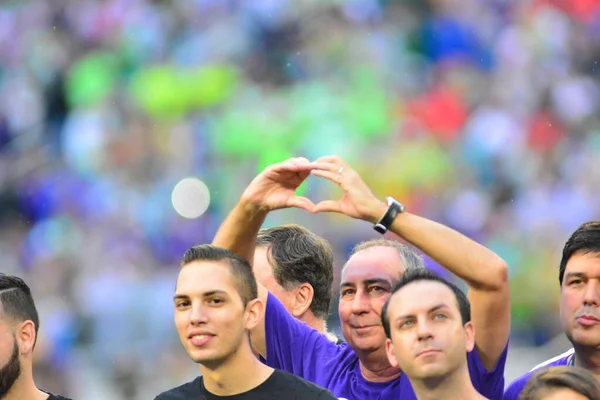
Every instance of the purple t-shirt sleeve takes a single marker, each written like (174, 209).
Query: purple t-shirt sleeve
(489, 383)
(516, 387)
(295, 347)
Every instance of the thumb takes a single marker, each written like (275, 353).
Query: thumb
(301, 202)
(327, 206)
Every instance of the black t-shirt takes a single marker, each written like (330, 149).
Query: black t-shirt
(280, 385)
(56, 397)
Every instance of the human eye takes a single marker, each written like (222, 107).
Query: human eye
(406, 324)
(377, 290)
(345, 293)
(182, 303)
(215, 301)
(440, 316)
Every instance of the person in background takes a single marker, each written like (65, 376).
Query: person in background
(579, 278)
(561, 383)
(296, 266)
(19, 325)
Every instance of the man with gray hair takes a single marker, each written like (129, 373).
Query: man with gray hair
(360, 368)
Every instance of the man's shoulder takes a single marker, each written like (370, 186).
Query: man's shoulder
(57, 397)
(517, 386)
(561, 359)
(299, 386)
(191, 388)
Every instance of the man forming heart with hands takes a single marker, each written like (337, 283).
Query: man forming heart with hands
(360, 368)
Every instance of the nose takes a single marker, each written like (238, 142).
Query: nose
(424, 331)
(197, 316)
(360, 303)
(592, 293)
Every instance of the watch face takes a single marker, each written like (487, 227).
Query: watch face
(380, 228)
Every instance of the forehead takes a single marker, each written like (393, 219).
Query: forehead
(373, 263)
(588, 263)
(199, 277)
(262, 264)
(562, 394)
(420, 296)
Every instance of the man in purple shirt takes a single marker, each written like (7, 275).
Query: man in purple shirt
(428, 324)
(359, 369)
(579, 277)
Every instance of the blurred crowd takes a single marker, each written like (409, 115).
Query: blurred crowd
(483, 115)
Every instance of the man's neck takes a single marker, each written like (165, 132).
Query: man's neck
(375, 367)
(319, 325)
(241, 373)
(588, 358)
(456, 386)
(24, 388)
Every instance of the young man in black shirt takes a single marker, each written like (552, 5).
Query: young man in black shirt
(19, 323)
(216, 306)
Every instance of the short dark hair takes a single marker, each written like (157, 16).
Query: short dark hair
(424, 274)
(299, 256)
(240, 269)
(561, 377)
(586, 239)
(16, 301)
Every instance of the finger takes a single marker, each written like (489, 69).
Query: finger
(331, 159)
(332, 176)
(301, 202)
(290, 165)
(327, 206)
(300, 160)
(327, 166)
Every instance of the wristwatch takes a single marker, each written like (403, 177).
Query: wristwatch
(394, 208)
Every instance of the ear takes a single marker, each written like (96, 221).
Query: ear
(470, 336)
(253, 314)
(389, 349)
(302, 299)
(25, 335)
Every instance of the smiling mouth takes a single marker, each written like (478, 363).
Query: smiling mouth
(200, 340)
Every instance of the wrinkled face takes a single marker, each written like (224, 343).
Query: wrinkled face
(263, 271)
(428, 338)
(210, 317)
(366, 283)
(561, 394)
(580, 300)
(10, 365)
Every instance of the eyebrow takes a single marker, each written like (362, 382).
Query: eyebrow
(432, 309)
(576, 275)
(368, 282)
(205, 294)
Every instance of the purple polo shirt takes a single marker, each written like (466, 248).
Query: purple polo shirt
(517, 386)
(295, 347)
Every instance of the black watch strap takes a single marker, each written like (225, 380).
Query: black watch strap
(394, 208)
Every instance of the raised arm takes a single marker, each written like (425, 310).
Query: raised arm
(483, 270)
(272, 189)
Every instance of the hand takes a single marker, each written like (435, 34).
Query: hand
(358, 201)
(276, 186)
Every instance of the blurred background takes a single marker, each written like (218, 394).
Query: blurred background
(482, 115)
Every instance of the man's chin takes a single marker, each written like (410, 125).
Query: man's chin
(367, 345)
(585, 339)
(430, 373)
